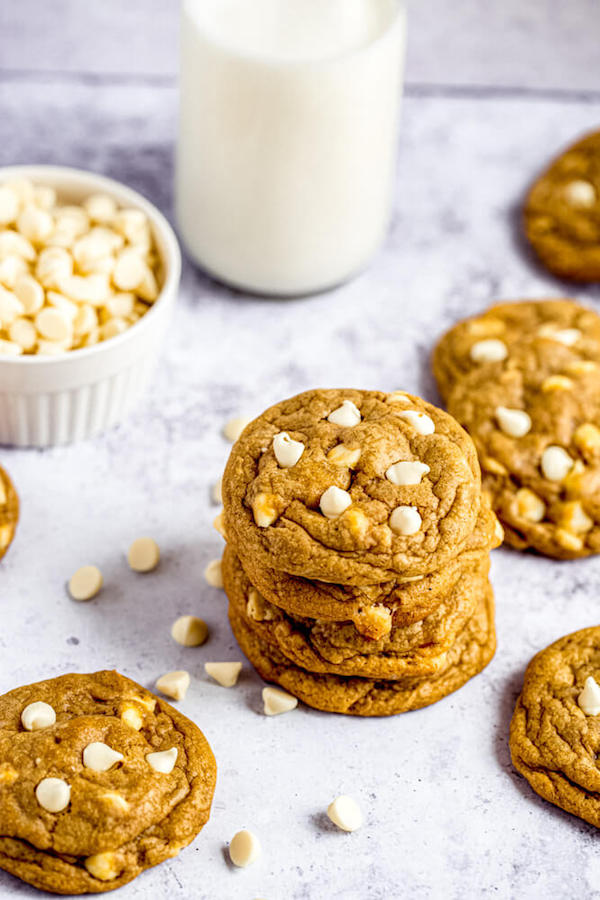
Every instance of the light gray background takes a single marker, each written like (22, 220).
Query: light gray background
(493, 89)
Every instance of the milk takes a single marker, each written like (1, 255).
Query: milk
(288, 120)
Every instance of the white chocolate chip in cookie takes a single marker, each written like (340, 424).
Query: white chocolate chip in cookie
(103, 866)
(587, 438)
(244, 848)
(189, 631)
(85, 583)
(529, 505)
(489, 350)
(580, 193)
(53, 794)
(216, 493)
(143, 555)
(174, 684)
(213, 573)
(347, 415)
(163, 761)
(402, 473)
(421, 422)
(566, 336)
(38, 715)
(556, 463)
(287, 451)
(224, 673)
(132, 717)
(334, 501)
(398, 397)
(219, 524)
(277, 701)
(233, 429)
(345, 813)
(341, 455)
(265, 509)
(581, 367)
(589, 698)
(116, 801)
(405, 520)
(513, 422)
(572, 516)
(556, 383)
(486, 326)
(8, 775)
(99, 757)
(258, 608)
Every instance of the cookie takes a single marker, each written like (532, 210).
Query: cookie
(524, 380)
(471, 652)
(351, 487)
(9, 511)
(562, 212)
(408, 600)
(88, 796)
(553, 742)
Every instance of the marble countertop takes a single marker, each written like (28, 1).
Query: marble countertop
(445, 814)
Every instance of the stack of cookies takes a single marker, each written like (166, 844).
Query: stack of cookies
(357, 553)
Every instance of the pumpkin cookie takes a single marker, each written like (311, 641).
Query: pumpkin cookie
(524, 380)
(555, 730)
(352, 487)
(470, 653)
(9, 511)
(562, 213)
(99, 780)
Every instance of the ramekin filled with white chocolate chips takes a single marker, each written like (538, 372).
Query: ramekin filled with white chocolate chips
(89, 271)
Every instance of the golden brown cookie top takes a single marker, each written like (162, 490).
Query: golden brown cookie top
(352, 486)
(9, 511)
(562, 212)
(88, 762)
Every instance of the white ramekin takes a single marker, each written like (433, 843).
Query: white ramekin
(45, 401)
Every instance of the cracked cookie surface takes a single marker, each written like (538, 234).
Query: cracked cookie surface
(352, 487)
(9, 511)
(524, 380)
(121, 816)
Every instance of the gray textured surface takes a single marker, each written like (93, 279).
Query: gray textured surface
(446, 816)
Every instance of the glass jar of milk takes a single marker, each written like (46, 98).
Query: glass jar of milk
(288, 122)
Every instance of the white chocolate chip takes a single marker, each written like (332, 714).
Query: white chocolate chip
(580, 193)
(224, 673)
(23, 333)
(189, 631)
(53, 794)
(14, 244)
(35, 224)
(244, 848)
(213, 573)
(143, 555)
(10, 307)
(421, 422)
(233, 429)
(405, 520)
(30, 293)
(9, 348)
(38, 715)
(398, 397)
(132, 717)
(513, 422)
(488, 351)
(219, 524)
(99, 757)
(345, 813)
(54, 265)
(265, 509)
(287, 451)
(556, 463)
(589, 698)
(100, 208)
(566, 336)
(85, 583)
(103, 866)
(347, 415)
(174, 684)
(529, 505)
(402, 473)
(277, 701)
(9, 205)
(163, 761)
(334, 501)
(11, 269)
(341, 455)
(129, 270)
(54, 324)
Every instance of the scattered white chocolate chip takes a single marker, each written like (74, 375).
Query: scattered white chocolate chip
(287, 451)
(264, 509)
(334, 501)
(347, 415)
(398, 397)
(556, 463)
(402, 473)
(566, 336)
(53, 794)
(589, 698)
(277, 701)
(421, 422)
(233, 429)
(213, 573)
(489, 350)
(573, 517)
(244, 848)
(38, 715)
(163, 761)
(99, 757)
(174, 684)
(85, 583)
(580, 193)
(103, 866)
(132, 717)
(143, 555)
(405, 520)
(216, 493)
(341, 455)
(189, 631)
(345, 813)
(224, 673)
(529, 505)
(513, 422)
